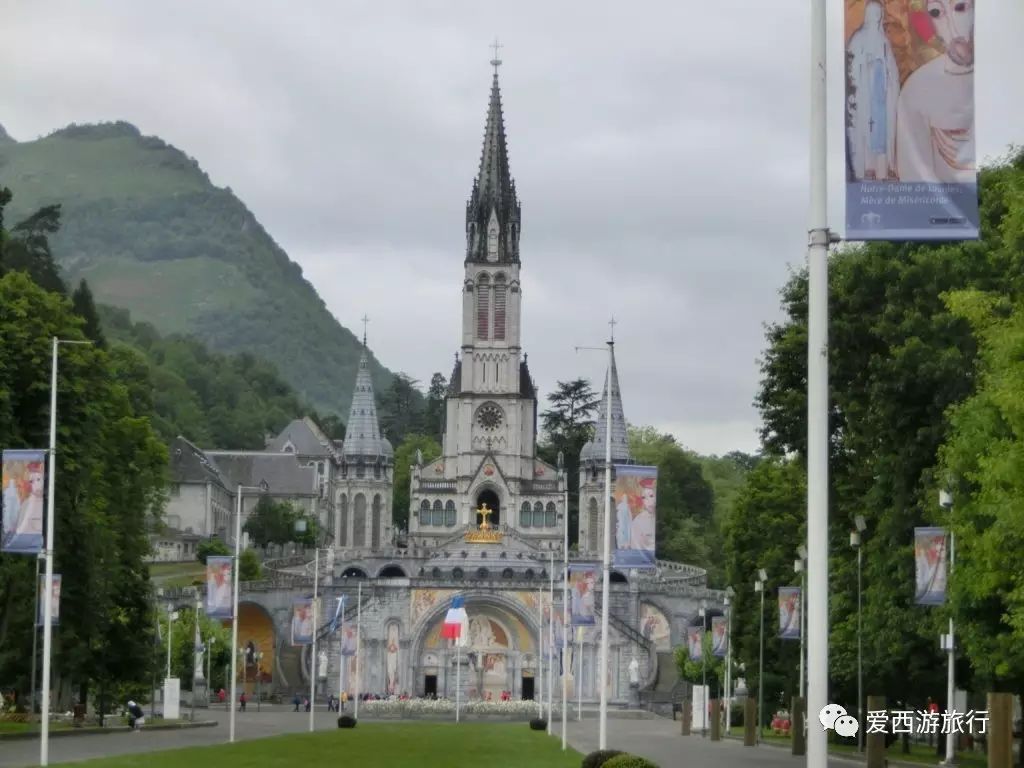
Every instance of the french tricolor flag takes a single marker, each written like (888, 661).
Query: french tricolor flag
(456, 622)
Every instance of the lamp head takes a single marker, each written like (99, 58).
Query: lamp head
(945, 499)
(762, 574)
(798, 565)
(854, 539)
(802, 551)
(861, 523)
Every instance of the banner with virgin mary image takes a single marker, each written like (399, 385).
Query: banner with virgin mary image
(719, 636)
(911, 170)
(635, 496)
(930, 566)
(23, 490)
(789, 613)
(695, 642)
(219, 587)
(582, 588)
(302, 621)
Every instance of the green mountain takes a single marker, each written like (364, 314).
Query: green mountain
(144, 225)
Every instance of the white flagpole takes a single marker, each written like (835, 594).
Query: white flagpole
(359, 642)
(606, 569)
(458, 678)
(341, 649)
(540, 652)
(579, 676)
(565, 612)
(817, 390)
(551, 639)
(234, 617)
(312, 661)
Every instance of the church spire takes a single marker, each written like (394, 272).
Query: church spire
(594, 450)
(362, 430)
(492, 213)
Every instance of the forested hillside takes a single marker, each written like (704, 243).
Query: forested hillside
(144, 225)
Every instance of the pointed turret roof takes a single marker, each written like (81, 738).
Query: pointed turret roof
(494, 190)
(362, 431)
(595, 449)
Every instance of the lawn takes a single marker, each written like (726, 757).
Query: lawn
(176, 574)
(919, 753)
(382, 745)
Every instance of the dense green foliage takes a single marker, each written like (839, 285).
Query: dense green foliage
(213, 635)
(600, 757)
(215, 400)
(630, 761)
(110, 480)
(249, 567)
(567, 425)
(405, 457)
(274, 522)
(209, 547)
(902, 355)
(155, 237)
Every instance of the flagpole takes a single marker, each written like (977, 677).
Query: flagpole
(458, 678)
(551, 639)
(359, 641)
(312, 661)
(540, 652)
(341, 647)
(606, 569)
(579, 675)
(565, 609)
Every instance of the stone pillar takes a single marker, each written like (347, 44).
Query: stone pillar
(796, 727)
(875, 741)
(749, 722)
(716, 720)
(1000, 730)
(684, 727)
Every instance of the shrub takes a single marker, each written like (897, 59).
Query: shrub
(538, 724)
(211, 547)
(630, 761)
(599, 758)
(346, 721)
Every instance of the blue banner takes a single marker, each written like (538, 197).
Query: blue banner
(635, 496)
(23, 492)
(911, 171)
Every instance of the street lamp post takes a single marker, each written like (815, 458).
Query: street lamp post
(703, 668)
(209, 664)
(259, 680)
(799, 565)
(946, 502)
(171, 616)
(234, 604)
(729, 592)
(50, 550)
(759, 585)
(855, 542)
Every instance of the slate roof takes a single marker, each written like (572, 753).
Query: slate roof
(594, 450)
(190, 464)
(362, 430)
(281, 472)
(305, 437)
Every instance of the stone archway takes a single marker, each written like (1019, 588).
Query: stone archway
(258, 636)
(489, 497)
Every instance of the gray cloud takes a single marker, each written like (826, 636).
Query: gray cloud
(660, 152)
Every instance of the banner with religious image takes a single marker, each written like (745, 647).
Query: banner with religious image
(911, 168)
(634, 495)
(930, 566)
(55, 611)
(302, 621)
(23, 494)
(582, 589)
(694, 641)
(218, 587)
(789, 613)
(719, 636)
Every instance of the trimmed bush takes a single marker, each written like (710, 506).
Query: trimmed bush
(599, 758)
(346, 721)
(630, 761)
(538, 724)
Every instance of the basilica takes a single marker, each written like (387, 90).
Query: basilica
(486, 521)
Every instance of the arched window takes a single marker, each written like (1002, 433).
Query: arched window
(550, 516)
(483, 297)
(508, 573)
(436, 572)
(538, 515)
(457, 573)
(375, 522)
(499, 307)
(376, 471)
(343, 521)
(524, 515)
(528, 574)
(424, 512)
(483, 573)
(592, 524)
(359, 522)
(437, 518)
(449, 513)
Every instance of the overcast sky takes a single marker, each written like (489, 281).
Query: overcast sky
(659, 150)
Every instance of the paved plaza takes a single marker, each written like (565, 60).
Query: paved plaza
(657, 739)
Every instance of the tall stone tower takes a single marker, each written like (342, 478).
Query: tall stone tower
(364, 484)
(489, 444)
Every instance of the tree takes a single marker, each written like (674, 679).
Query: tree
(405, 457)
(211, 547)
(26, 247)
(981, 461)
(274, 522)
(434, 411)
(401, 408)
(249, 567)
(567, 426)
(85, 307)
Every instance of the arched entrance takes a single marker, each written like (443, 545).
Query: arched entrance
(490, 498)
(256, 635)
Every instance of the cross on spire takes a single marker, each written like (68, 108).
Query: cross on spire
(496, 62)
(612, 323)
(365, 321)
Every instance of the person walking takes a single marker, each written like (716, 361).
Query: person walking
(241, 702)
(136, 717)
(344, 700)
(296, 701)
